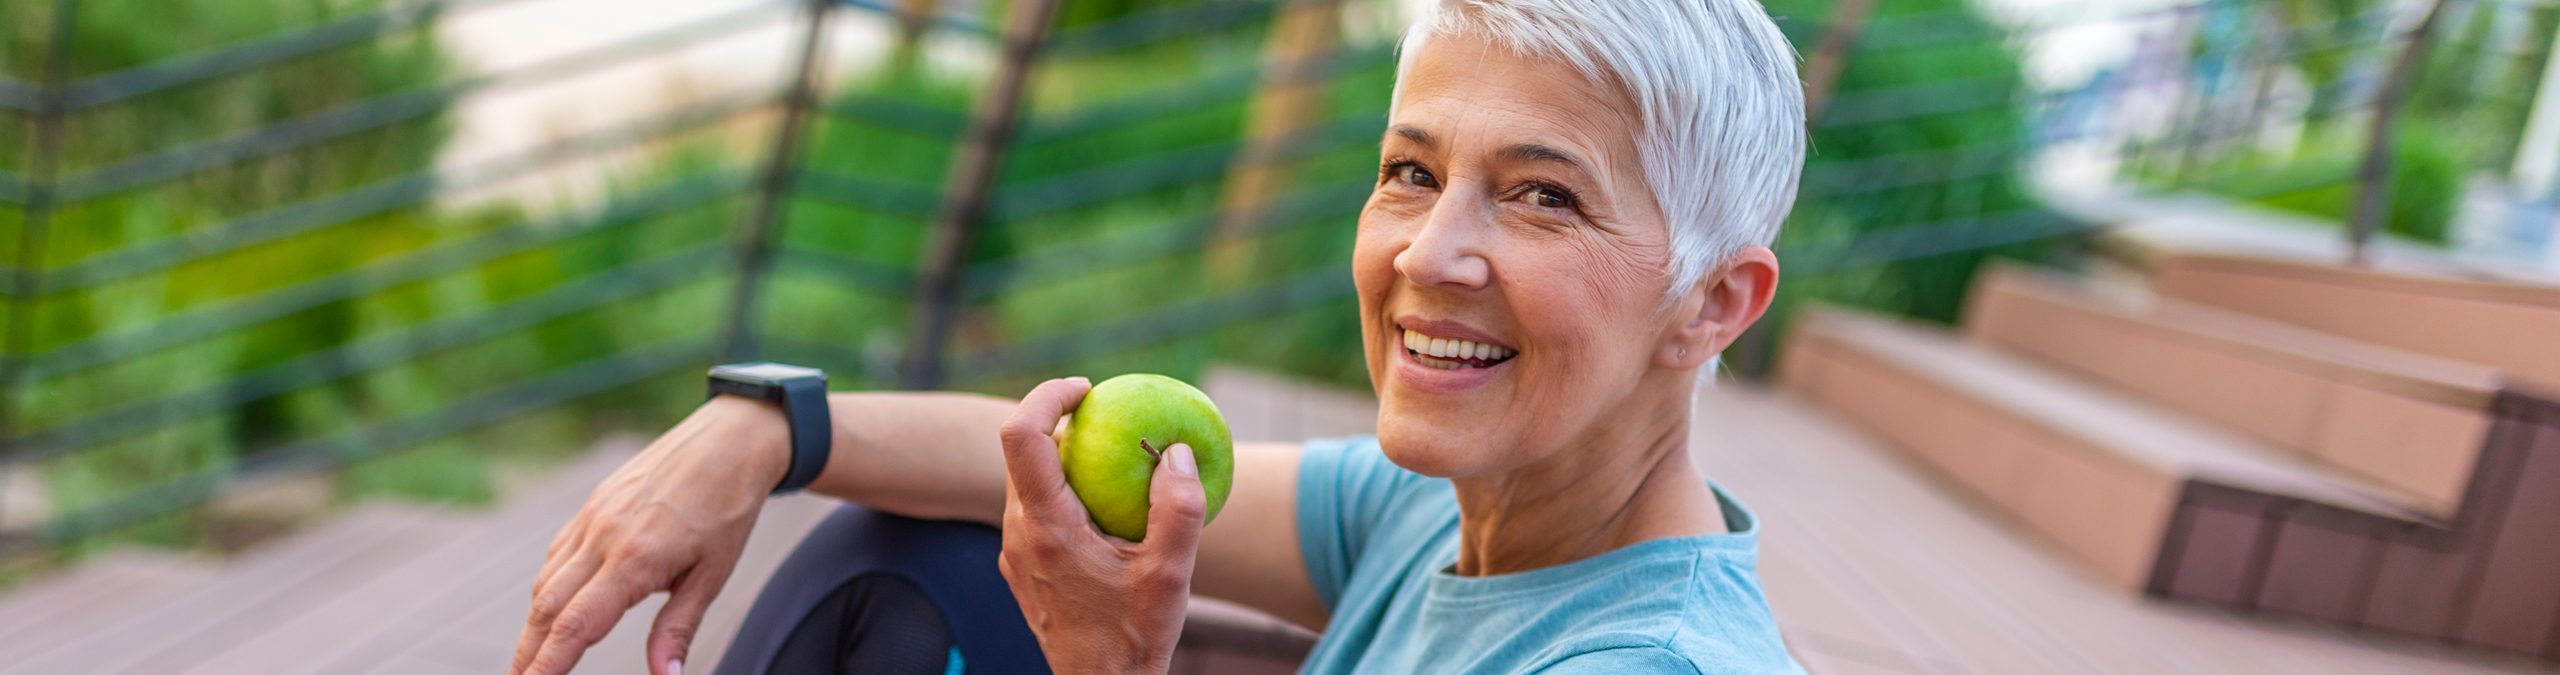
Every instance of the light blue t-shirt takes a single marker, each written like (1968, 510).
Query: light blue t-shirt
(1379, 539)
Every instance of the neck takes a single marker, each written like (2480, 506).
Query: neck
(1629, 482)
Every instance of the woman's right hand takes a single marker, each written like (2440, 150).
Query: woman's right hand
(675, 518)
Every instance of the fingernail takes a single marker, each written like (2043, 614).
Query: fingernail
(1182, 463)
(1079, 379)
(674, 667)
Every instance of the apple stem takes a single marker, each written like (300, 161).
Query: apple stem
(1152, 452)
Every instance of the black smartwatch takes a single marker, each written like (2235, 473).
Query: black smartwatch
(802, 393)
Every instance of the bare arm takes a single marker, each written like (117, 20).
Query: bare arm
(936, 455)
(676, 517)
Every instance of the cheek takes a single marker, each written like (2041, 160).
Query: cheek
(1592, 301)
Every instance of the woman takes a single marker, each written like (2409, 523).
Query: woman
(1571, 219)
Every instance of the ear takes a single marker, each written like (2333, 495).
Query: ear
(1719, 307)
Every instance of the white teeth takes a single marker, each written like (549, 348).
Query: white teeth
(1452, 349)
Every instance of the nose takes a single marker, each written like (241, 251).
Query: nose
(1447, 252)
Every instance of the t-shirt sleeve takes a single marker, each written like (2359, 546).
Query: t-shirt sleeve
(1623, 661)
(1344, 487)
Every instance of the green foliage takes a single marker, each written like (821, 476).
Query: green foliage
(2427, 171)
(2464, 113)
(148, 307)
(1832, 210)
(1059, 192)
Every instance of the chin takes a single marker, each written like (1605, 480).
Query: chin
(1431, 447)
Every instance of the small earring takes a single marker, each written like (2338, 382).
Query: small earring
(1683, 354)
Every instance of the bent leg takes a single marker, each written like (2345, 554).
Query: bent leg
(873, 592)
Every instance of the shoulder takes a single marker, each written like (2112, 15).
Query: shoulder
(1717, 621)
(1350, 496)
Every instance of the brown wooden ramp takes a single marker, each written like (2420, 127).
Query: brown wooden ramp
(1873, 568)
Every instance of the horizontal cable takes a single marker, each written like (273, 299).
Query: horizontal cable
(892, 113)
(959, 21)
(869, 275)
(375, 198)
(1918, 100)
(1929, 239)
(1212, 89)
(871, 193)
(1172, 168)
(221, 61)
(1155, 325)
(1154, 25)
(1908, 169)
(378, 438)
(268, 305)
(374, 352)
(20, 94)
(988, 279)
(381, 111)
(840, 362)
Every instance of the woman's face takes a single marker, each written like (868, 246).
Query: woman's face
(1511, 218)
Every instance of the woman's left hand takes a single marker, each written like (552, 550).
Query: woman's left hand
(1098, 603)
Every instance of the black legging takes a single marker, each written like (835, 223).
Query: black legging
(871, 593)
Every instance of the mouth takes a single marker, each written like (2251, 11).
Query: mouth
(1453, 353)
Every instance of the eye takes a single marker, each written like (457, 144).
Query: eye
(1550, 197)
(1415, 175)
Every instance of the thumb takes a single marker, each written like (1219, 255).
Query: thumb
(1176, 505)
(671, 637)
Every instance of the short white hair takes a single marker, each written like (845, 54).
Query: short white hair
(1715, 85)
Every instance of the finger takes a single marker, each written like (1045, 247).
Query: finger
(550, 597)
(587, 619)
(671, 637)
(1030, 455)
(563, 548)
(1176, 506)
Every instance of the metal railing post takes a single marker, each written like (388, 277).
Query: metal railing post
(966, 190)
(773, 187)
(2373, 181)
(44, 162)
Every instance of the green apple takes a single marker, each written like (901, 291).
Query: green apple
(1122, 429)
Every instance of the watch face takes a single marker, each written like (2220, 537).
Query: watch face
(765, 372)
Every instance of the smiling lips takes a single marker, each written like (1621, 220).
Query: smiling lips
(1449, 354)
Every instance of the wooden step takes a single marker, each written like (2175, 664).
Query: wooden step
(2441, 308)
(2096, 472)
(1873, 567)
(2408, 421)
(264, 586)
(97, 587)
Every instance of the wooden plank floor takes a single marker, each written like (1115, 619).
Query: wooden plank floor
(1872, 567)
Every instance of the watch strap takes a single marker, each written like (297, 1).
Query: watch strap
(804, 409)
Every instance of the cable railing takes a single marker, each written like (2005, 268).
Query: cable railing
(1209, 239)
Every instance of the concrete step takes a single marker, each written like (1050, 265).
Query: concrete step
(97, 587)
(2096, 472)
(2407, 421)
(261, 588)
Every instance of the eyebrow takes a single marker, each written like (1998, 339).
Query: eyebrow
(1532, 152)
(1416, 135)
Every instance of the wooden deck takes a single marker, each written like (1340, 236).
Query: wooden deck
(1871, 567)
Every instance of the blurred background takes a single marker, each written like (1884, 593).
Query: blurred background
(270, 264)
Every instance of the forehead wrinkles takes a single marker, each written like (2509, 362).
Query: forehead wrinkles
(1476, 96)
